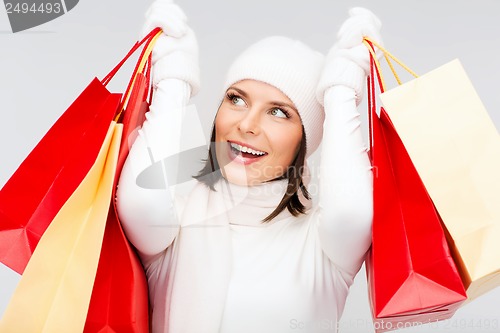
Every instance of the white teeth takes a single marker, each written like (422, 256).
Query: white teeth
(244, 149)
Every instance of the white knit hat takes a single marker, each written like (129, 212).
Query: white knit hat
(292, 67)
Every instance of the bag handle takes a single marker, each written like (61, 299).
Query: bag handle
(143, 63)
(371, 99)
(143, 66)
(387, 56)
(148, 78)
(375, 71)
(134, 48)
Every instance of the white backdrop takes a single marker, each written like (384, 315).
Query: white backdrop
(44, 69)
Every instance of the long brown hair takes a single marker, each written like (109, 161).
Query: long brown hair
(210, 173)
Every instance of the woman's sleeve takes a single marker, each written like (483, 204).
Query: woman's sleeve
(146, 206)
(346, 196)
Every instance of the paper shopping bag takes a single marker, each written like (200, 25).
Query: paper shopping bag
(456, 150)
(53, 294)
(32, 197)
(130, 308)
(412, 277)
(119, 301)
(44, 181)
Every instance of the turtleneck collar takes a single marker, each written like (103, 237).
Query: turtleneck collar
(249, 205)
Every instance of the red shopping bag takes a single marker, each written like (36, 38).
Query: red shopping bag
(119, 297)
(44, 181)
(119, 301)
(412, 277)
(55, 167)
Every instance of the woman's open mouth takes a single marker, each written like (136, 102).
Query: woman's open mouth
(244, 154)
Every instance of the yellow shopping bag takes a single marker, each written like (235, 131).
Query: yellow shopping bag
(54, 292)
(455, 148)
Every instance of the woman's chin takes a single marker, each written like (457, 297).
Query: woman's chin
(238, 176)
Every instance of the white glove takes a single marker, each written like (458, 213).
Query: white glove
(348, 61)
(175, 54)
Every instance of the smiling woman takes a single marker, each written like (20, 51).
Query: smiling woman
(258, 137)
(269, 109)
(247, 250)
(255, 140)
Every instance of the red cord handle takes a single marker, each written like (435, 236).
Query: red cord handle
(134, 48)
(372, 107)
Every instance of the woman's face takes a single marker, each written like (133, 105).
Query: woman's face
(258, 133)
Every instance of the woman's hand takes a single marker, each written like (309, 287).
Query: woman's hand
(361, 23)
(175, 55)
(348, 61)
(168, 16)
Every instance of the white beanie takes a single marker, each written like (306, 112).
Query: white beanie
(292, 67)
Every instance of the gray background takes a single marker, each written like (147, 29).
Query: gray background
(43, 70)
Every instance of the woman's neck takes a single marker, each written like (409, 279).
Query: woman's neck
(249, 205)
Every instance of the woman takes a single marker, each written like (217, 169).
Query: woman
(248, 250)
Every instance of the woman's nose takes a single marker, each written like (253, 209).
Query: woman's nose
(250, 122)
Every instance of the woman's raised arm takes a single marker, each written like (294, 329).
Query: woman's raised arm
(346, 195)
(146, 208)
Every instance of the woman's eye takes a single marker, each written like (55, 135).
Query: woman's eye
(279, 113)
(237, 100)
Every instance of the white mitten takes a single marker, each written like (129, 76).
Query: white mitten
(175, 54)
(348, 61)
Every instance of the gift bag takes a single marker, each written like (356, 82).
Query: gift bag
(412, 277)
(119, 282)
(54, 292)
(44, 181)
(119, 301)
(456, 150)
(35, 193)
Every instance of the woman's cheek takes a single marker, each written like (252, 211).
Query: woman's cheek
(224, 121)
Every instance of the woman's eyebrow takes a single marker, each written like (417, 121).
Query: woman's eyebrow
(282, 104)
(285, 105)
(244, 94)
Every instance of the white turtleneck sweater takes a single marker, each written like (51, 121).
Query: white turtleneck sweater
(212, 266)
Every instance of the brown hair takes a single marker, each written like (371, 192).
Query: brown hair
(210, 173)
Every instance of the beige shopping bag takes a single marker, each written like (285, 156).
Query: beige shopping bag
(54, 292)
(455, 148)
